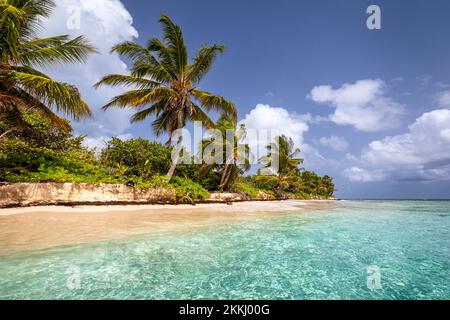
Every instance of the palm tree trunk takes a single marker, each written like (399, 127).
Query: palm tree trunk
(223, 180)
(226, 183)
(177, 150)
(175, 158)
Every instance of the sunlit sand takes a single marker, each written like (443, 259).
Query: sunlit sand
(44, 227)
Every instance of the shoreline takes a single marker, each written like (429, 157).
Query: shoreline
(253, 205)
(39, 228)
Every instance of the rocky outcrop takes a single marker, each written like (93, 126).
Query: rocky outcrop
(70, 194)
(227, 197)
(34, 194)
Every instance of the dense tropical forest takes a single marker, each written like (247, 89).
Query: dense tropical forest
(38, 145)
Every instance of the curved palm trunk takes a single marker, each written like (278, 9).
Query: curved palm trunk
(175, 158)
(177, 150)
(224, 180)
(228, 178)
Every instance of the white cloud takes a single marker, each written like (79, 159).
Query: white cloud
(443, 99)
(362, 104)
(266, 117)
(357, 174)
(335, 143)
(421, 154)
(105, 23)
(100, 142)
(265, 122)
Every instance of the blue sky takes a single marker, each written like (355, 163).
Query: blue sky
(368, 107)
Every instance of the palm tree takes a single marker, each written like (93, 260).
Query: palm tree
(166, 84)
(233, 153)
(283, 158)
(21, 85)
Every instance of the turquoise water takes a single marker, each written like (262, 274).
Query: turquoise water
(314, 255)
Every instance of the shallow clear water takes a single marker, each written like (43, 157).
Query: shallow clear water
(313, 255)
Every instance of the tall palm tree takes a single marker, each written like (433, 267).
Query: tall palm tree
(282, 155)
(21, 85)
(233, 153)
(166, 84)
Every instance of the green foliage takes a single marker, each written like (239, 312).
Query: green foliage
(165, 84)
(251, 191)
(44, 152)
(142, 157)
(22, 85)
(233, 153)
(188, 191)
(303, 185)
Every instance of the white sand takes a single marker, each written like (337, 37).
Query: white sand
(45, 227)
(250, 206)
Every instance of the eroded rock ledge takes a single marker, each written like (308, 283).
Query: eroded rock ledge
(44, 194)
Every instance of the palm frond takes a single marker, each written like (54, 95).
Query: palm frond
(64, 97)
(157, 108)
(115, 80)
(133, 51)
(55, 50)
(203, 62)
(165, 57)
(199, 115)
(139, 98)
(215, 102)
(174, 38)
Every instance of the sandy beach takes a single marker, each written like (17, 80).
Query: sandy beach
(45, 227)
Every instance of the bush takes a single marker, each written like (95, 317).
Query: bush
(246, 189)
(188, 191)
(43, 152)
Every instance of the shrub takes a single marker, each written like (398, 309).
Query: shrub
(188, 191)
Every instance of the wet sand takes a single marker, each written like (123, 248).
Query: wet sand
(45, 227)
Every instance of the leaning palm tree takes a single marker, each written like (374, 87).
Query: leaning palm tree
(166, 84)
(228, 155)
(281, 163)
(21, 51)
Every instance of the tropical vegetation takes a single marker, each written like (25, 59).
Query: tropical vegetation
(22, 85)
(38, 145)
(165, 84)
(225, 156)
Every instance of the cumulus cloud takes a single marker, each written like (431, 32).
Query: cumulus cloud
(105, 23)
(335, 143)
(362, 104)
(443, 99)
(265, 122)
(279, 120)
(357, 174)
(421, 154)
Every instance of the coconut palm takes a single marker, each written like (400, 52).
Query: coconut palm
(165, 84)
(233, 155)
(21, 85)
(283, 158)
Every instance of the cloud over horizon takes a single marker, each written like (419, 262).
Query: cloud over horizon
(421, 154)
(363, 105)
